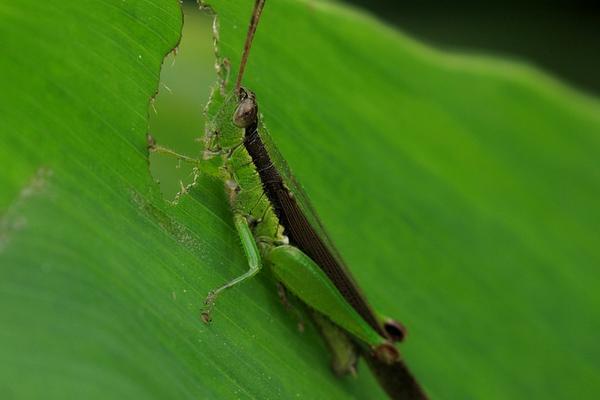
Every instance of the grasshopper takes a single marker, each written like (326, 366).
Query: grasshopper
(278, 227)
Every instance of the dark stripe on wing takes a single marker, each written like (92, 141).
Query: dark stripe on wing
(396, 379)
(300, 232)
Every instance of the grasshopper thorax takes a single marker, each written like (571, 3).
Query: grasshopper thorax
(247, 110)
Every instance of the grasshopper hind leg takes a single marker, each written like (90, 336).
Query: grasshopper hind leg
(254, 265)
(343, 351)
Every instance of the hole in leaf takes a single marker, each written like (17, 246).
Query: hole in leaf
(176, 118)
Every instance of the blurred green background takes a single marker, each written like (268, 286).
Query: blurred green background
(176, 115)
(486, 218)
(561, 37)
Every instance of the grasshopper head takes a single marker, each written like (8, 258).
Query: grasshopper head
(247, 110)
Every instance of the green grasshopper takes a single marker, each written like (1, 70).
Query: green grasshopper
(277, 227)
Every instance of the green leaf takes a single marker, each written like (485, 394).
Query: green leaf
(462, 192)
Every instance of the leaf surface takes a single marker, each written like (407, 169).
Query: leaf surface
(461, 191)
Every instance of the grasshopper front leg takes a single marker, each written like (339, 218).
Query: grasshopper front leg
(254, 264)
(156, 148)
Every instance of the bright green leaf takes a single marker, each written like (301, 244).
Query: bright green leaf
(462, 192)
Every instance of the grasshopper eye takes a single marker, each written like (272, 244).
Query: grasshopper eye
(246, 111)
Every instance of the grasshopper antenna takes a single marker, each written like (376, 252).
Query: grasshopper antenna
(258, 7)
